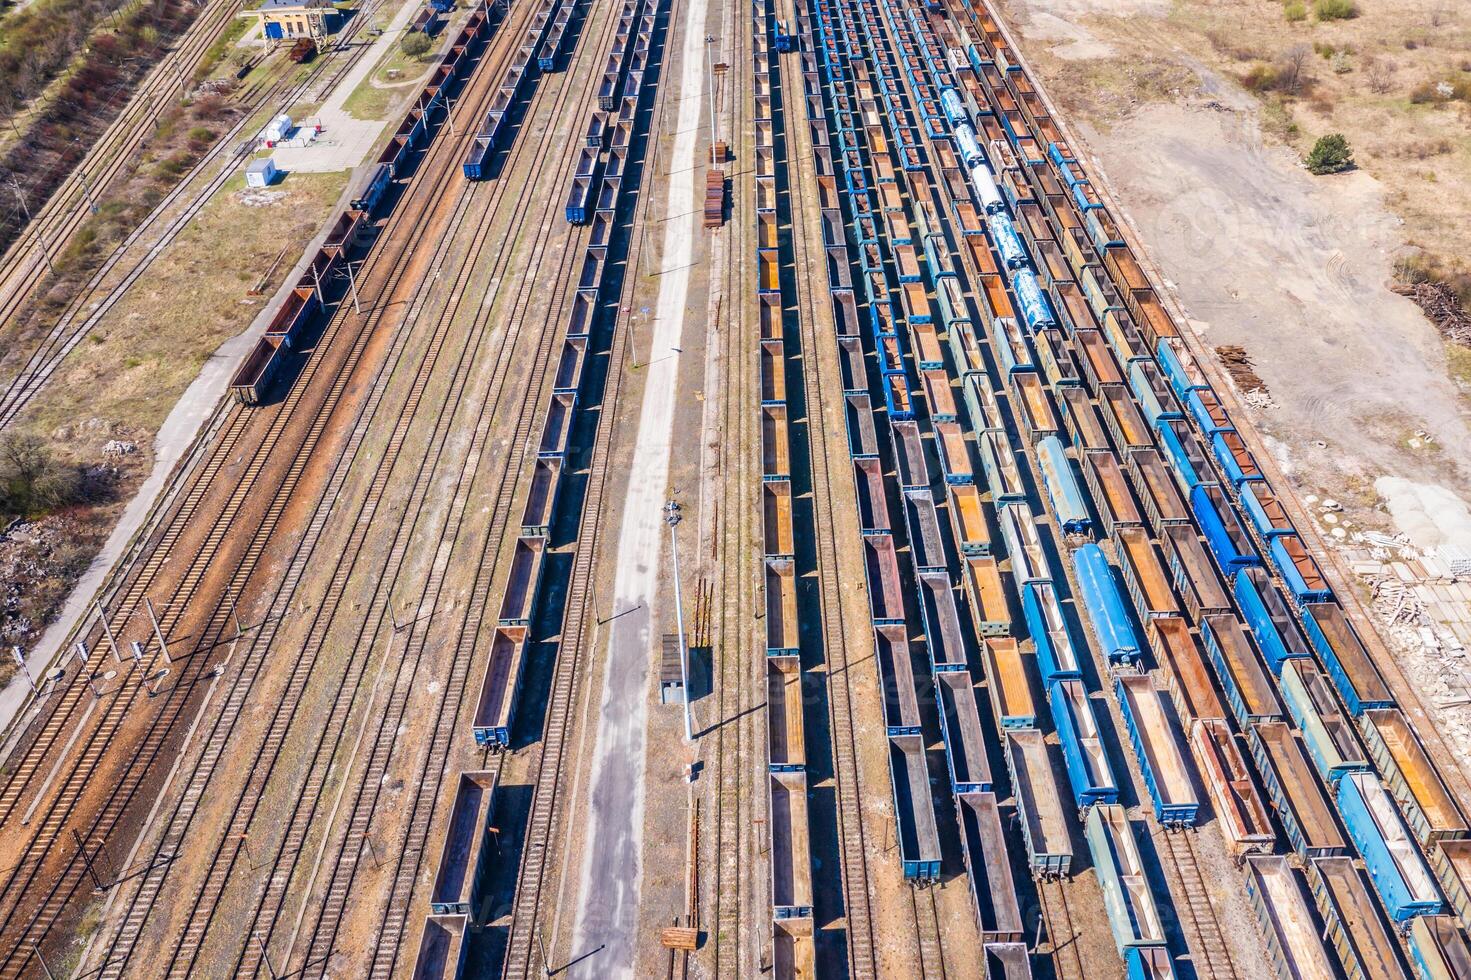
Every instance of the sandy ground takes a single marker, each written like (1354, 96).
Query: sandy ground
(1365, 412)
(608, 908)
(1292, 267)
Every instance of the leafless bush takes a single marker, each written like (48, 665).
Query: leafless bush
(1379, 73)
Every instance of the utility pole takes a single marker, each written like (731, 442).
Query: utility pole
(352, 285)
(671, 517)
(20, 195)
(44, 968)
(158, 633)
(20, 660)
(106, 628)
(710, 66)
(266, 955)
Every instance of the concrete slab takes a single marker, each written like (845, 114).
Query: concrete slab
(344, 140)
(607, 911)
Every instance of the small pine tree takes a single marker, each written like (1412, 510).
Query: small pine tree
(1330, 155)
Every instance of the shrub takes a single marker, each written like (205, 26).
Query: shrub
(1260, 78)
(31, 479)
(1335, 9)
(1330, 155)
(1295, 11)
(415, 45)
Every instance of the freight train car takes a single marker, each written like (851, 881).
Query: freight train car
(1157, 747)
(1398, 870)
(1285, 920)
(1038, 804)
(993, 893)
(1083, 753)
(1098, 587)
(1133, 915)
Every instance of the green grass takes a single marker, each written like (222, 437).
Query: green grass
(370, 102)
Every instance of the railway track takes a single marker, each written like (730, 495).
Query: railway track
(1062, 935)
(843, 727)
(86, 311)
(163, 721)
(507, 480)
(126, 601)
(735, 793)
(523, 954)
(283, 718)
(927, 932)
(1210, 954)
(51, 226)
(853, 845)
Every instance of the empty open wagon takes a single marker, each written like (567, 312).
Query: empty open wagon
(498, 692)
(442, 947)
(794, 956)
(1353, 671)
(1157, 747)
(1240, 813)
(1039, 804)
(885, 597)
(896, 671)
(791, 854)
(787, 750)
(942, 622)
(1411, 778)
(1132, 913)
(1083, 754)
(781, 607)
(776, 453)
(776, 498)
(1306, 815)
(1285, 920)
(1008, 684)
(522, 584)
(541, 499)
(1394, 863)
(1249, 690)
(989, 606)
(1365, 947)
(466, 847)
(1329, 736)
(993, 893)
(1144, 575)
(914, 809)
(1186, 674)
(965, 742)
(257, 371)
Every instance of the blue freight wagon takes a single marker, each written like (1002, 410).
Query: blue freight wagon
(1083, 753)
(1057, 658)
(1222, 528)
(1098, 586)
(1157, 747)
(1182, 450)
(1269, 618)
(1127, 898)
(1179, 369)
(1395, 865)
(1062, 488)
(1266, 514)
(1348, 664)
(1148, 963)
(1299, 570)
